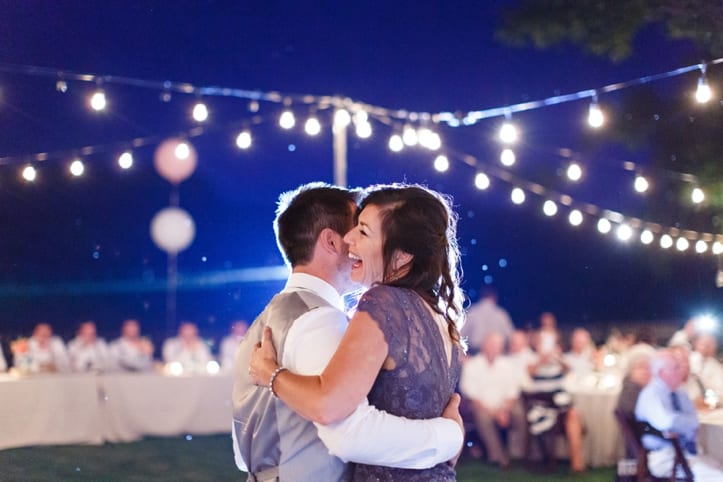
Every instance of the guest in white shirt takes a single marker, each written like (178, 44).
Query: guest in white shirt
(88, 352)
(485, 317)
(227, 352)
(490, 381)
(132, 352)
(704, 365)
(685, 335)
(521, 355)
(43, 353)
(188, 349)
(580, 358)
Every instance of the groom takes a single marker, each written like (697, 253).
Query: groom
(271, 442)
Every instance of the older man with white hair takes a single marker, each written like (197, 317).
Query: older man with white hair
(665, 405)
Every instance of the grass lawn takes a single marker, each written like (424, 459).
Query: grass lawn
(207, 458)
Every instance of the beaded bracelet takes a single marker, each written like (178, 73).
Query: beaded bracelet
(273, 378)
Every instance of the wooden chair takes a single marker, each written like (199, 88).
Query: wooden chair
(633, 431)
(546, 441)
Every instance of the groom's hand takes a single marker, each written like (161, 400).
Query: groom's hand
(451, 411)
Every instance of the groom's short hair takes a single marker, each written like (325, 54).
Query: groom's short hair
(307, 210)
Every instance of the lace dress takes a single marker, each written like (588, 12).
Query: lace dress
(422, 381)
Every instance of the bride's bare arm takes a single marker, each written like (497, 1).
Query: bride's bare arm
(345, 382)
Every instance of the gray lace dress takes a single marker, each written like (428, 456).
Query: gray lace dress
(422, 381)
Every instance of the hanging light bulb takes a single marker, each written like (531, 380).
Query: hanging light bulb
(624, 232)
(575, 217)
(125, 160)
(517, 195)
(701, 246)
(433, 143)
(703, 93)
(441, 163)
(508, 133)
(481, 181)
(243, 140)
(549, 208)
(641, 184)
(98, 102)
(507, 157)
(697, 195)
(595, 117)
(682, 244)
(312, 126)
(341, 118)
(200, 112)
(29, 173)
(77, 168)
(646, 237)
(410, 138)
(574, 172)
(361, 116)
(287, 120)
(666, 241)
(717, 247)
(396, 143)
(363, 130)
(182, 150)
(604, 226)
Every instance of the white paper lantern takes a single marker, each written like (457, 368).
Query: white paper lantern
(173, 230)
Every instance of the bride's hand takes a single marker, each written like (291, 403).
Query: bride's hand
(263, 359)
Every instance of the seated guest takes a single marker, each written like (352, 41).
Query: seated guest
(520, 354)
(546, 375)
(188, 349)
(88, 352)
(704, 365)
(580, 358)
(227, 352)
(132, 352)
(685, 335)
(43, 352)
(665, 405)
(489, 380)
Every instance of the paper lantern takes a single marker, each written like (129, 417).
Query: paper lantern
(175, 160)
(173, 230)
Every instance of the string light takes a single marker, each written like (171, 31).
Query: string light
(574, 172)
(441, 163)
(575, 217)
(595, 117)
(182, 150)
(624, 232)
(646, 237)
(429, 139)
(409, 136)
(243, 140)
(717, 248)
(666, 241)
(396, 144)
(98, 101)
(507, 157)
(641, 184)
(701, 246)
(697, 195)
(29, 173)
(364, 130)
(342, 118)
(682, 244)
(77, 168)
(549, 208)
(703, 93)
(200, 112)
(517, 195)
(312, 126)
(604, 226)
(125, 160)
(481, 181)
(508, 133)
(287, 120)
(361, 116)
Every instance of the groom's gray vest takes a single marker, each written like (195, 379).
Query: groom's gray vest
(273, 440)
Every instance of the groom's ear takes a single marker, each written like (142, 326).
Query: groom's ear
(330, 241)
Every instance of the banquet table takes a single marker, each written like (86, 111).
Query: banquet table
(92, 409)
(710, 433)
(602, 441)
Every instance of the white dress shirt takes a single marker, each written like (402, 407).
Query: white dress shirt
(227, 352)
(87, 358)
(193, 360)
(491, 384)
(129, 356)
(709, 371)
(485, 317)
(368, 435)
(580, 363)
(52, 356)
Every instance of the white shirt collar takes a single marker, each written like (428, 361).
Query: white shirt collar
(305, 281)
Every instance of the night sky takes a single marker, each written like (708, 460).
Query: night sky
(77, 249)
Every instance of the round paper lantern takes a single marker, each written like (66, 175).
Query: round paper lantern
(173, 230)
(175, 160)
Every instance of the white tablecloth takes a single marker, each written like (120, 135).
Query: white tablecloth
(91, 409)
(602, 442)
(710, 434)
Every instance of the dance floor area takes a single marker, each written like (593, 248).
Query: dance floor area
(197, 458)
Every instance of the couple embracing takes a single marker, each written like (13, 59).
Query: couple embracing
(313, 390)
